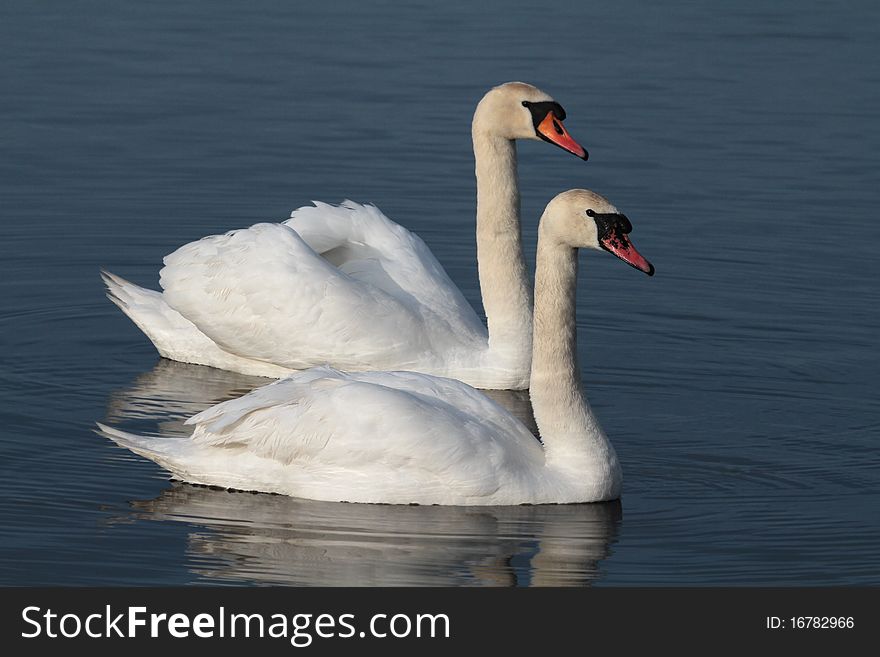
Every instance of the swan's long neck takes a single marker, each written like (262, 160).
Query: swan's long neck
(504, 283)
(573, 440)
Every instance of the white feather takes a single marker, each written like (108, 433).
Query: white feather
(406, 437)
(317, 434)
(347, 286)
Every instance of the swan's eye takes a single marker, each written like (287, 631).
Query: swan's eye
(526, 103)
(590, 213)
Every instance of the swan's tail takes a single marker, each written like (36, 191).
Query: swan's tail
(167, 452)
(127, 295)
(146, 308)
(173, 335)
(187, 460)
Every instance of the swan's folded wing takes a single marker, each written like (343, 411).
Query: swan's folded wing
(368, 246)
(264, 294)
(409, 430)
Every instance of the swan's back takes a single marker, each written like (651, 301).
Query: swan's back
(352, 288)
(368, 246)
(363, 243)
(321, 434)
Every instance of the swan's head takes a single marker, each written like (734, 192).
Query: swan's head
(583, 219)
(517, 110)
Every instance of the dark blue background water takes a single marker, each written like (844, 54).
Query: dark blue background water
(739, 385)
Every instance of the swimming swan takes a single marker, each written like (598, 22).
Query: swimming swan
(346, 286)
(405, 437)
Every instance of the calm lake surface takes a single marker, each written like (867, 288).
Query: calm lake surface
(739, 385)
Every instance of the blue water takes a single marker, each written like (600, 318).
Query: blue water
(739, 385)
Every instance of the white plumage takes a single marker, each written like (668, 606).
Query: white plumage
(392, 437)
(365, 289)
(346, 286)
(406, 437)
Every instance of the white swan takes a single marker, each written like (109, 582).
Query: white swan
(404, 437)
(348, 287)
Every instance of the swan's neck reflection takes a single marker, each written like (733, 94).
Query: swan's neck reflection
(260, 538)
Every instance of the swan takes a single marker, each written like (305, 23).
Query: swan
(346, 286)
(407, 437)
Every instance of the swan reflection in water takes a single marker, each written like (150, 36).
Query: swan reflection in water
(272, 539)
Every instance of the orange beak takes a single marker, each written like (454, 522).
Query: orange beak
(552, 130)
